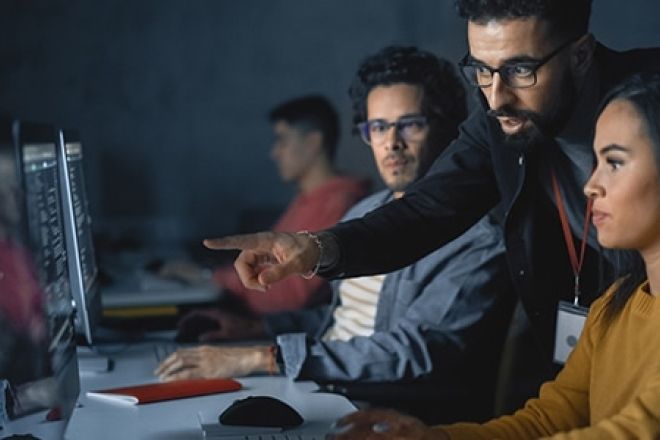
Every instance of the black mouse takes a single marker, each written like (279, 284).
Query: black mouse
(261, 411)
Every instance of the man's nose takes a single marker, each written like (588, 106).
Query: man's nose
(499, 93)
(393, 139)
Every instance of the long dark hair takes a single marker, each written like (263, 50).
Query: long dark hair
(643, 92)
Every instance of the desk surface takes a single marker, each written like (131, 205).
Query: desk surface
(180, 419)
(134, 285)
(152, 290)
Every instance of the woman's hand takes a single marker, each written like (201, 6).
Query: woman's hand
(383, 424)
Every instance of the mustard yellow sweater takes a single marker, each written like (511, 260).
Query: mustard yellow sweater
(608, 389)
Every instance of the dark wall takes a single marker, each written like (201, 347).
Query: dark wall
(171, 96)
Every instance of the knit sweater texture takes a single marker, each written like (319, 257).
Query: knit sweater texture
(608, 389)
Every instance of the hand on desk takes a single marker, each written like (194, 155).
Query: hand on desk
(206, 325)
(208, 362)
(267, 257)
(383, 424)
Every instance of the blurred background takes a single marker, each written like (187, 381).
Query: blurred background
(171, 96)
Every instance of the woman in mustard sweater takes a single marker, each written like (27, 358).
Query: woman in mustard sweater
(610, 385)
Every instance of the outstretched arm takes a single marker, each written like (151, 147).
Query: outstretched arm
(459, 189)
(267, 257)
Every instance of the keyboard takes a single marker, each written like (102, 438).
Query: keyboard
(308, 431)
(164, 349)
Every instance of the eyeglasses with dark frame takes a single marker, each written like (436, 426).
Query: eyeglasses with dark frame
(410, 128)
(518, 75)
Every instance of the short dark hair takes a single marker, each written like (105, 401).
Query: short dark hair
(311, 113)
(570, 17)
(643, 92)
(443, 93)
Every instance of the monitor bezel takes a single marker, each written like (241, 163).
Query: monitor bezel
(87, 299)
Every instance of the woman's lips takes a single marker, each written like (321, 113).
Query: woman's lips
(598, 217)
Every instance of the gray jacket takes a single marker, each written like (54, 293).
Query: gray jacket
(443, 317)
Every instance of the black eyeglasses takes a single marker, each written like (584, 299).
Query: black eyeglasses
(410, 128)
(516, 74)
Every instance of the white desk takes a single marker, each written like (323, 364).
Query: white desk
(36, 425)
(178, 419)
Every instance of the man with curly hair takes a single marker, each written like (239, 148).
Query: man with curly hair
(427, 335)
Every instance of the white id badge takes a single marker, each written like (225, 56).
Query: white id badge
(570, 321)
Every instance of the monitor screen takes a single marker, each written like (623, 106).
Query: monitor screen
(38, 364)
(78, 231)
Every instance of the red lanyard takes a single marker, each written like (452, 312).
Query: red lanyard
(576, 263)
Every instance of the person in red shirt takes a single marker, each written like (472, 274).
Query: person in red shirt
(306, 132)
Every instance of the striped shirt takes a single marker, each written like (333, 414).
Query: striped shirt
(357, 312)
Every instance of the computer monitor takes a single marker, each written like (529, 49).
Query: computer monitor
(38, 364)
(83, 270)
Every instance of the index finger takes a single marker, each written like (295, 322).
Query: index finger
(171, 363)
(242, 242)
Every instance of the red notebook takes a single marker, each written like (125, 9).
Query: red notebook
(157, 392)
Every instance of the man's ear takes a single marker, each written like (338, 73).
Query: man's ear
(582, 55)
(314, 141)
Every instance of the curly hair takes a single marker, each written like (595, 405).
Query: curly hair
(443, 93)
(569, 17)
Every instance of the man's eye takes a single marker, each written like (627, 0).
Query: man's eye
(412, 125)
(377, 127)
(482, 70)
(521, 70)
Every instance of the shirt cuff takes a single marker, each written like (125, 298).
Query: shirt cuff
(293, 348)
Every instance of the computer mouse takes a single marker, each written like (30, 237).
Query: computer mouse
(261, 411)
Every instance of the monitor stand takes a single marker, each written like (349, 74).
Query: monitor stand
(91, 363)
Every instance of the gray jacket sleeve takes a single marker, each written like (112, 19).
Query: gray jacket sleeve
(429, 315)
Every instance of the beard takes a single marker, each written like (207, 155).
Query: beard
(525, 137)
(542, 125)
(400, 181)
